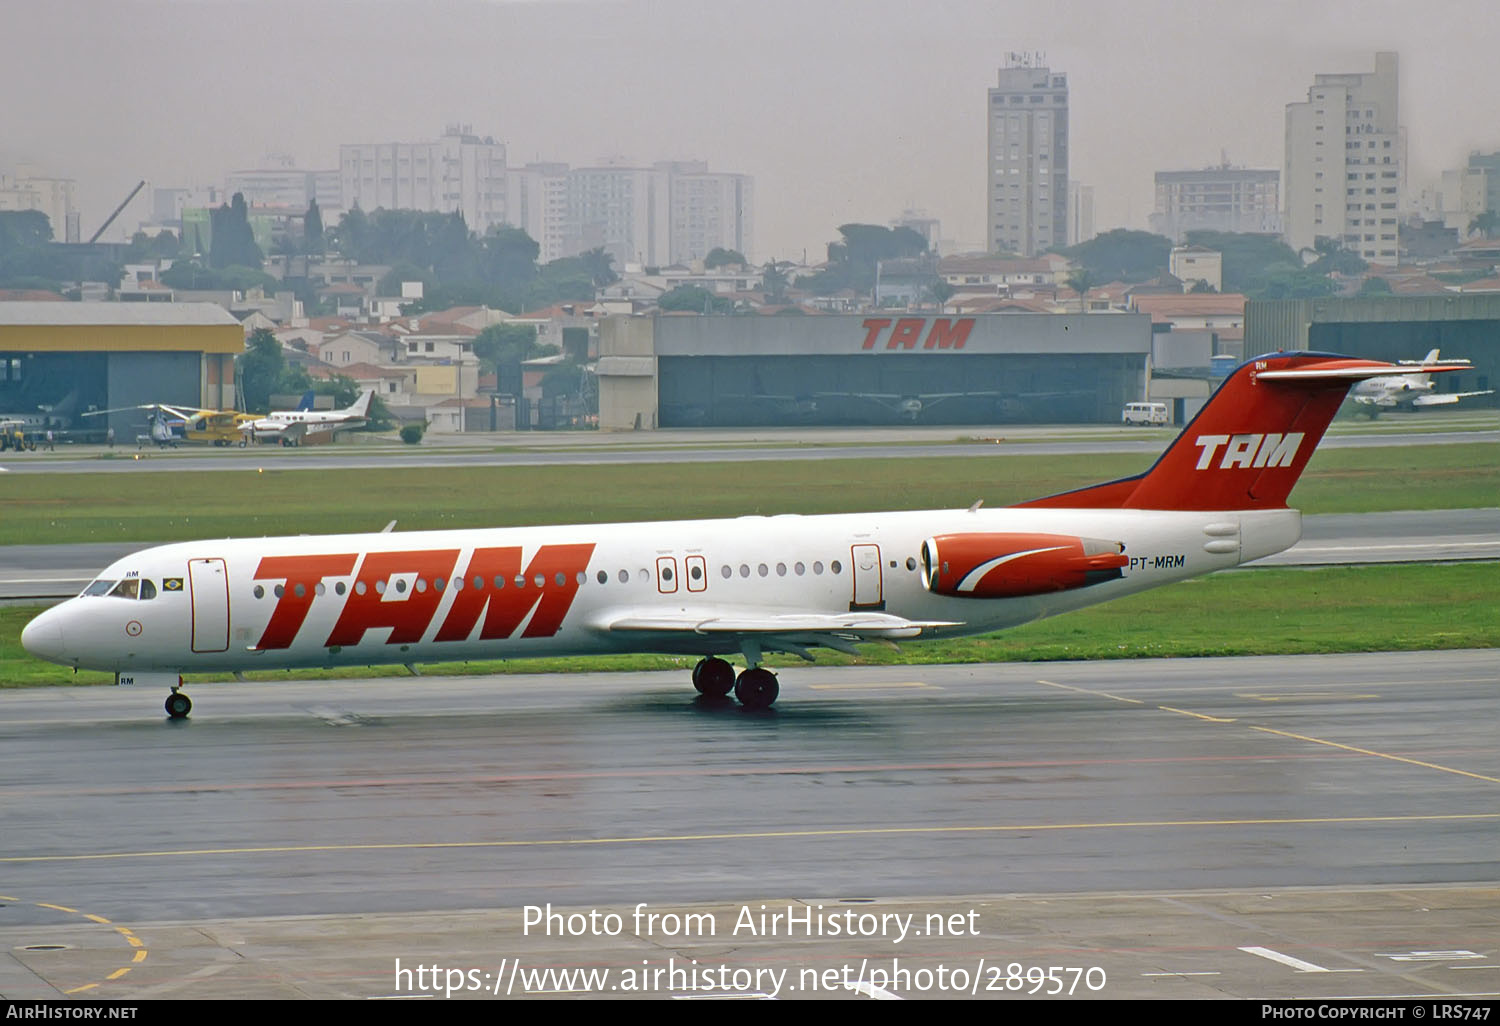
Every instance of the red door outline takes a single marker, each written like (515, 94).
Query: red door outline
(208, 581)
(666, 574)
(699, 583)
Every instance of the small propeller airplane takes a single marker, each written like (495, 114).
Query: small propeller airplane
(290, 427)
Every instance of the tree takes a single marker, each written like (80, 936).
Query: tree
(719, 257)
(852, 260)
(259, 371)
(312, 230)
(1123, 254)
(1080, 280)
(509, 259)
(694, 299)
(1485, 225)
(1333, 258)
(233, 242)
(1202, 286)
(1250, 259)
(1375, 287)
(597, 262)
(941, 292)
(502, 348)
(774, 281)
(1294, 284)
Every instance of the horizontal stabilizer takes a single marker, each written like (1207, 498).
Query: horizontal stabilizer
(1249, 443)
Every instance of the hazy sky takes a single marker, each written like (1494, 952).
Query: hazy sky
(843, 110)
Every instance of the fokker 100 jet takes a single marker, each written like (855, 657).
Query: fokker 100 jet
(716, 588)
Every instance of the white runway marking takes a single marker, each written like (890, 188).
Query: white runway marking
(1295, 963)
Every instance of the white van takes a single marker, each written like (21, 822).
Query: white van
(1154, 414)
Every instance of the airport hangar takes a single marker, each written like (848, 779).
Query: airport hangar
(884, 368)
(81, 356)
(1460, 326)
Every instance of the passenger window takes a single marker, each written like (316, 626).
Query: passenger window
(603, 576)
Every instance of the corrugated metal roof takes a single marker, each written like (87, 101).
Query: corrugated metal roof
(32, 314)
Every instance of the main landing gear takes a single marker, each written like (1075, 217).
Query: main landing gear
(756, 687)
(178, 705)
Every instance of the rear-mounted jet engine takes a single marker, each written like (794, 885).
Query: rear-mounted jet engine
(1012, 565)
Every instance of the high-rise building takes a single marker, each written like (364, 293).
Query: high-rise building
(459, 172)
(1345, 163)
(279, 183)
(1027, 200)
(624, 210)
(1463, 197)
(674, 212)
(1489, 164)
(709, 210)
(1220, 199)
(55, 197)
(1080, 213)
(536, 201)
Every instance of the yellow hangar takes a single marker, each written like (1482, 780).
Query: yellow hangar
(61, 360)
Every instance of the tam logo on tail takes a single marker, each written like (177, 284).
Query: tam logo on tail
(1264, 450)
(1267, 417)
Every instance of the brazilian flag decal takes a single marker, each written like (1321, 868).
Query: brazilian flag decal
(172, 584)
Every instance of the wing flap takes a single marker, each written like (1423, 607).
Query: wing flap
(752, 624)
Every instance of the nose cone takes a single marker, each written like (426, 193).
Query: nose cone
(42, 637)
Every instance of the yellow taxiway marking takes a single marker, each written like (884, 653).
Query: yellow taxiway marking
(1379, 755)
(872, 684)
(1200, 716)
(135, 942)
(1001, 828)
(1086, 691)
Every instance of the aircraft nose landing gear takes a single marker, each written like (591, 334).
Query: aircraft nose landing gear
(178, 705)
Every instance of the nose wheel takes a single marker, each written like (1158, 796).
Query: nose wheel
(178, 705)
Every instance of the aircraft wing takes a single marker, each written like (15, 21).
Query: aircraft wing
(790, 632)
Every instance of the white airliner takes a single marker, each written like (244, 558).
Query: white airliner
(289, 427)
(1410, 389)
(713, 588)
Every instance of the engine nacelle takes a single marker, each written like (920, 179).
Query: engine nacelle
(1012, 565)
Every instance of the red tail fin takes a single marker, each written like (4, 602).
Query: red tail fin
(1246, 448)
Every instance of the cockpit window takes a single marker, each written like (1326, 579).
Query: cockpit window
(99, 587)
(127, 589)
(148, 590)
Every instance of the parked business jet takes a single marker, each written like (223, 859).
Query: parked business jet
(714, 588)
(1411, 390)
(289, 427)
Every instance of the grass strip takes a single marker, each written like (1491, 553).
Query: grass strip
(184, 504)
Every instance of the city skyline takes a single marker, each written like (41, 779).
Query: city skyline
(840, 111)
